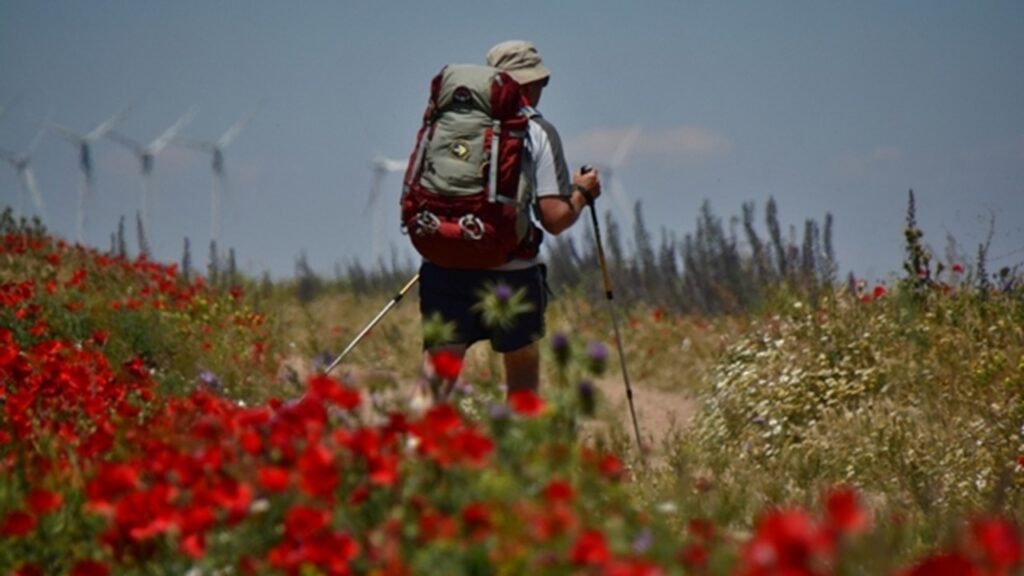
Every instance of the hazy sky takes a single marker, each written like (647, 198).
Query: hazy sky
(827, 106)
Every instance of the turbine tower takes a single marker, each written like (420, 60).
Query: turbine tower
(380, 166)
(610, 170)
(220, 182)
(146, 153)
(84, 144)
(22, 164)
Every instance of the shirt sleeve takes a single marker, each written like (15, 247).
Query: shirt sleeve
(551, 171)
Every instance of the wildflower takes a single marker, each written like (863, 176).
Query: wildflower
(611, 467)
(498, 411)
(333, 391)
(784, 541)
(952, 563)
(43, 501)
(843, 511)
(89, 568)
(560, 348)
(302, 522)
(447, 364)
(590, 549)
(597, 356)
(477, 519)
(210, 381)
(643, 542)
(319, 476)
(958, 268)
(694, 556)
(878, 292)
(587, 397)
(999, 541)
(525, 402)
(17, 523)
(558, 491)
(273, 478)
(502, 293)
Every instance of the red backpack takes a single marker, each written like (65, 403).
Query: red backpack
(464, 200)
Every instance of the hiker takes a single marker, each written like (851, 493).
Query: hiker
(451, 281)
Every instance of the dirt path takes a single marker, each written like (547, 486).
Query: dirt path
(659, 412)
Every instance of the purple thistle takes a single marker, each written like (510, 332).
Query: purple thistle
(503, 293)
(643, 542)
(597, 353)
(588, 400)
(210, 381)
(560, 347)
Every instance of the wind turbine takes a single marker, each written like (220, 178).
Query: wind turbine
(381, 166)
(220, 183)
(610, 170)
(22, 163)
(146, 153)
(84, 143)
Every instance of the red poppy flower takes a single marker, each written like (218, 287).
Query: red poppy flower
(301, 522)
(319, 475)
(879, 292)
(944, 564)
(611, 467)
(273, 478)
(843, 511)
(447, 365)
(558, 491)
(89, 568)
(43, 501)
(17, 523)
(590, 549)
(383, 470)
(694, 556)
(786, 539)
(999, 541)
(525, 402)
(477, 518)
(334, 391)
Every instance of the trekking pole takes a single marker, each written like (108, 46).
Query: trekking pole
(611, 311)
(394, 301)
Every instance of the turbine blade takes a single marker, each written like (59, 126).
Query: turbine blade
(29, 179)
(625, 146)
(231, 133)
(164, 139)
(65, 132)
(375, 185)
(619, 195)
(107, 125)
(37, 138)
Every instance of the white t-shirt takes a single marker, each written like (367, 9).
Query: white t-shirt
(547, 170)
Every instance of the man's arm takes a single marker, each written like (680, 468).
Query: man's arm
(558, 213)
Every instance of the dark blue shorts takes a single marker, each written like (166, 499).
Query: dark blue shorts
(453, 293)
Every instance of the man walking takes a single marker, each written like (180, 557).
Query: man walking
(555, 202)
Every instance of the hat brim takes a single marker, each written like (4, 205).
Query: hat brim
(531, 74)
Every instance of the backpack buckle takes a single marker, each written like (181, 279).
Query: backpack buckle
(427, 223)
(472, 227)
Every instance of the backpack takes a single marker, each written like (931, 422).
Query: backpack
(464, 200)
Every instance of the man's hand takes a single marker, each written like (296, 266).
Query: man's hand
(559, 212)
(588, 182)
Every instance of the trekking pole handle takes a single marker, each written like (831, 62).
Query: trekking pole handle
(584, 169)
